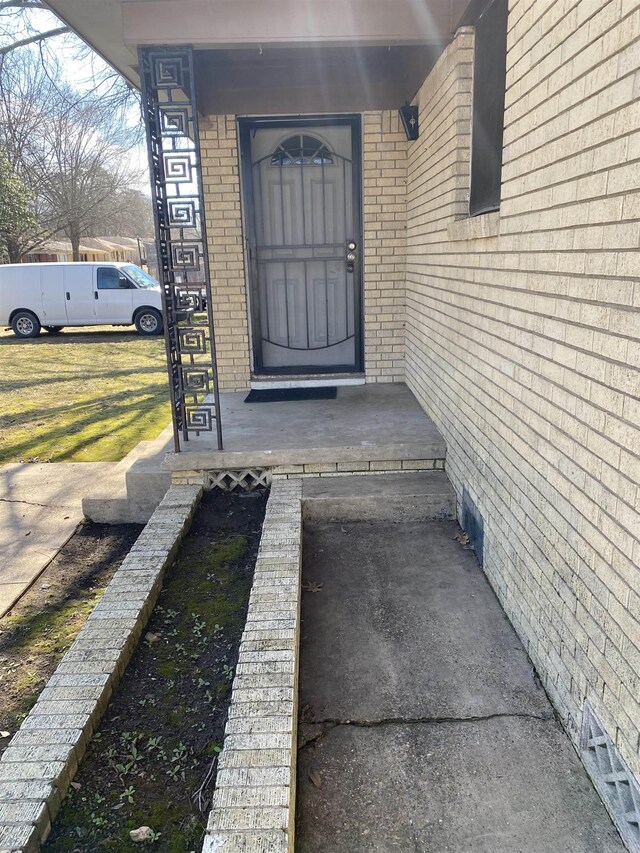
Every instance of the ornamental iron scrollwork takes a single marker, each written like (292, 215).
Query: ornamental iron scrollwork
(173, 145)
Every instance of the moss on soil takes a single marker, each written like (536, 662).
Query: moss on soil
(164, 728)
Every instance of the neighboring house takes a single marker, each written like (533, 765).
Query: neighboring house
(128, 249)
(491, 261)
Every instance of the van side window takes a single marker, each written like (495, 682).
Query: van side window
(108, 278)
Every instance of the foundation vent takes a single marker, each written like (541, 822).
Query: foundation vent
(246, 479)
(612, 778)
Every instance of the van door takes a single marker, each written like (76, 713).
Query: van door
(53, 297)
(114, 303)
(79, 295)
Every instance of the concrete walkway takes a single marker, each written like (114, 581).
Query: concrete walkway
(40, 509)
(423, 725)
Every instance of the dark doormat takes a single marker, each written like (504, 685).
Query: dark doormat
(284, 395)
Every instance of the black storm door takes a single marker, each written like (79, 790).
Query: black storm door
(302, 212)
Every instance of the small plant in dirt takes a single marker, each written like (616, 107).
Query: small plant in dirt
(154, 765)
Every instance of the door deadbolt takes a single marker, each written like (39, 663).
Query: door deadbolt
(351, 256)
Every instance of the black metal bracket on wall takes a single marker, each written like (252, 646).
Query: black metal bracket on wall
(173, 146)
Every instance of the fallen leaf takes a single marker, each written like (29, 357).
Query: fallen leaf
(151, 638)
(462, 538)
(5, 734)
(118, 806)
(76, 786)
(315, 778)
(312, 586)
(46, 586)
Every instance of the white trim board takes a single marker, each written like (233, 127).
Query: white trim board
(266, 384)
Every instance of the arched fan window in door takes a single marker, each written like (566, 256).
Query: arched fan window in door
(302, 150)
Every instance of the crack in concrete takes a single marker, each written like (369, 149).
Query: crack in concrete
(30, 503)
(332, 723)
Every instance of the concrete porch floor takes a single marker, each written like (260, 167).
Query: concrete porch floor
(365, 422)
(423, 726)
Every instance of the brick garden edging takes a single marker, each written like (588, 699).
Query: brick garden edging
(43, 755)
(254, 800)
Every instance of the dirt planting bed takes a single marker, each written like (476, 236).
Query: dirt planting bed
(39, 629)
(153, 761)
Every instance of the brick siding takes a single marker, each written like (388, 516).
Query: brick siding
(221, 187)
(523, 339)
(384, 156)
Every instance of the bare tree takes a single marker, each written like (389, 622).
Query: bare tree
(71, 152)
(19, 28)
(130, 215)
(29, 25)
(79, 165)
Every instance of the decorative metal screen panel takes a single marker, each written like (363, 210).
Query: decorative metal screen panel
(171, 121)
(611, 777)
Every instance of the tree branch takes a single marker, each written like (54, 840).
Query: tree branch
(33, 39)
(22, 4)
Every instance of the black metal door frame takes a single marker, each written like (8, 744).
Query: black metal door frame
(245, 126)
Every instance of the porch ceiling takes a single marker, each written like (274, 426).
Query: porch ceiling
(279, 55)
(312, 79)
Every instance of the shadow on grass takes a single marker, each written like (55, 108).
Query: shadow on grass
(99, 336)
(9, 385)
(104, 418)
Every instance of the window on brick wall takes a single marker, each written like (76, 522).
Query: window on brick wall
(489, 74)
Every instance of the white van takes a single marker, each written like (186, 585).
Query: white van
(51, 296)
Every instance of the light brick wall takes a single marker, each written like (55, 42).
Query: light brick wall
(221, 187)
(384, 155)
(523, 339)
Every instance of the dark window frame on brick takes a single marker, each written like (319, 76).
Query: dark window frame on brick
(489, 81)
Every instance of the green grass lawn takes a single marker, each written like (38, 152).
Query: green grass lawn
(86, 395)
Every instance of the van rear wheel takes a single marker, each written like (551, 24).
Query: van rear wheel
(149, 322)
(25, 325)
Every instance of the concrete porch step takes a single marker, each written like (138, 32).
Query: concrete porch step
(136, 486)
(410, 496)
